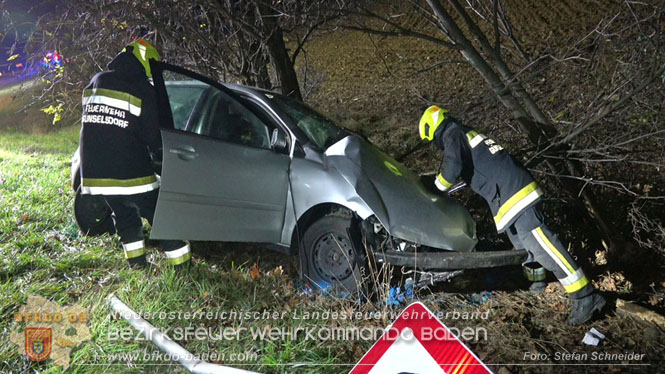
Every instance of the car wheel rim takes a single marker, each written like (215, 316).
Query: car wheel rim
(333, 257)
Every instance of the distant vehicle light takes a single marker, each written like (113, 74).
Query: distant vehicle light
(51, 61)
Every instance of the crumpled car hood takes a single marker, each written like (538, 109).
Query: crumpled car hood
(398, 198)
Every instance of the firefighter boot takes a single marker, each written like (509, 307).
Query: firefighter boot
(538, 287)
(584, 304)
(137, 262)
(135, 253)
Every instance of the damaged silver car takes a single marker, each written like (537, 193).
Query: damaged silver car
(242, 164)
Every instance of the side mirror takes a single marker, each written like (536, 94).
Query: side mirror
(278, 142)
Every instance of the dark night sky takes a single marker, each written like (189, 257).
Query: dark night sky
(23, 14)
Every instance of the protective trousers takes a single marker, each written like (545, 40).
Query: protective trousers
(530, 232)
(127, 213)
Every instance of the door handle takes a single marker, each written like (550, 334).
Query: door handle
(186, 153)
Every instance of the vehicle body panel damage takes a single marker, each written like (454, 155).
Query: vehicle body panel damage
(399, 200)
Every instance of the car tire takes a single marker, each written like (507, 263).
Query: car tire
(330, 259)
(92, 215)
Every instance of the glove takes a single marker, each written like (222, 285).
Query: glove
(458, 186)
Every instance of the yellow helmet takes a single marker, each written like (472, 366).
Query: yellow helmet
(430, 121)
(144, 51)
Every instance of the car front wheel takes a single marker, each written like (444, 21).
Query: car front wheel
(329, 257)
(92, 215)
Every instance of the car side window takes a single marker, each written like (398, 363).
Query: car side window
(224, 118)
(200, 108)
(183, 98)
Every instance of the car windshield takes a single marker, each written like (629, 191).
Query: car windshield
(320, 130)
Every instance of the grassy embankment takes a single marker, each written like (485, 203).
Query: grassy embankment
(18, 108)
(43, 254)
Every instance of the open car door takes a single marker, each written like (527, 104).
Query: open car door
(221, 181)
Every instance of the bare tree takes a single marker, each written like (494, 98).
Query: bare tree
(231, 40)
(465, 28)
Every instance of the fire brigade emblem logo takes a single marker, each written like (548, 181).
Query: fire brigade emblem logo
(38, 343)
(47, 331)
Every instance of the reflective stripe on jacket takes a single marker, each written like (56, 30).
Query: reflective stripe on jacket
(109, 186)
(119, 130)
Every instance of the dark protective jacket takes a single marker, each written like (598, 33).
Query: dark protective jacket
(490, 170)
(119, 130)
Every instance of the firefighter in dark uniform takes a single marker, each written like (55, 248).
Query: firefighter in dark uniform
(513, 196)
(119, 131)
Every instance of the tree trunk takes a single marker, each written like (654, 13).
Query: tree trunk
(279, 55)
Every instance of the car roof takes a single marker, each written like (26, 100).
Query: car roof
(231, 86)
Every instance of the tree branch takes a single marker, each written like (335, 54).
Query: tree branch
(408, 33)
(304, 39)
(609, 109)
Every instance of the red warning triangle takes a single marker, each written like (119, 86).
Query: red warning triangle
(417, 342)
